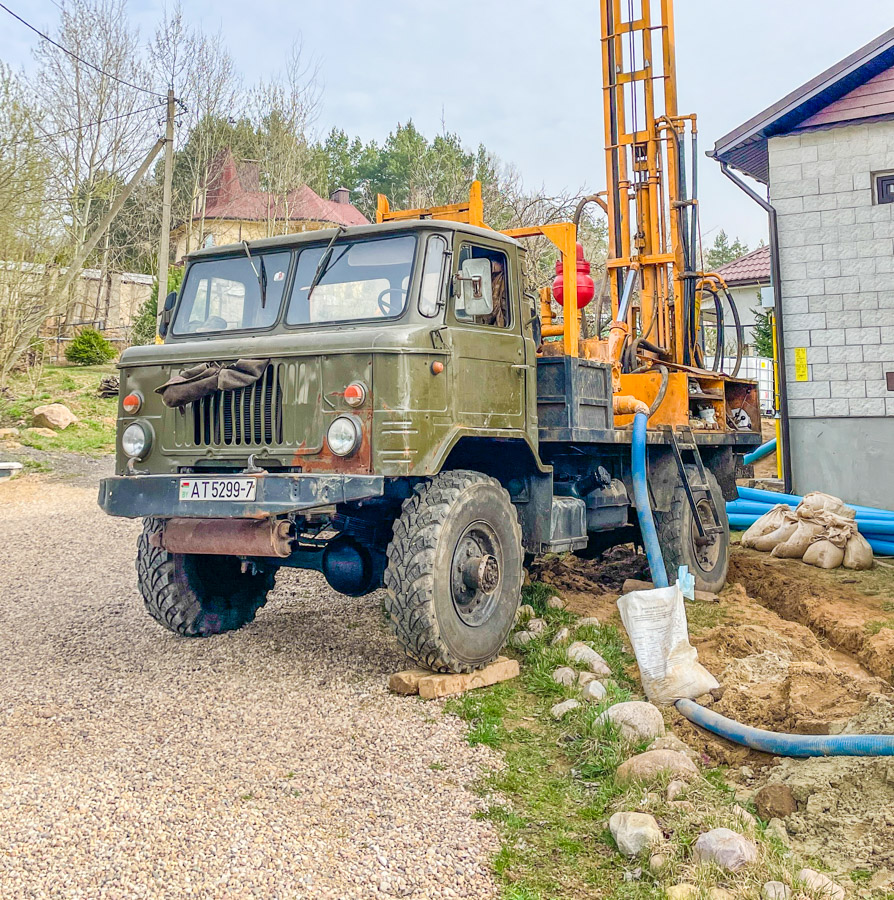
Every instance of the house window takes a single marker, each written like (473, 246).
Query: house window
(884, 187)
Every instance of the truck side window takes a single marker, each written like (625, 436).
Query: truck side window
(501, 316)
(432, 276)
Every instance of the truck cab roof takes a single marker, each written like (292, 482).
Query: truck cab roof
(354, 231)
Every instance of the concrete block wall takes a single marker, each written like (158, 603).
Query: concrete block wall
(836, 249)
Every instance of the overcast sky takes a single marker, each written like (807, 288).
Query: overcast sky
(520, 76)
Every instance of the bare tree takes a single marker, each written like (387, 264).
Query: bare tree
(284, 109)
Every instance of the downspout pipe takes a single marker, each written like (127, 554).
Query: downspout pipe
(777, 311)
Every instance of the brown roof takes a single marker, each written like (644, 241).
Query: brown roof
(235, 194)
(745, 148)
(752, 268)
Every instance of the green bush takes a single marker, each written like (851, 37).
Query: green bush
(89, 348)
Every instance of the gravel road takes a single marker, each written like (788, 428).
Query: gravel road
(270, 762)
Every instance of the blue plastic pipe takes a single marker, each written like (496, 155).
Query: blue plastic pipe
(788, 744)
(772, 498)
(760, 452)
(643, 504)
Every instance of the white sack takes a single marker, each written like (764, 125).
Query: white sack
(857, 553)
(817, 501)
(668, 664)
(768, 542)
(768, 523)
(824, 555)
(803, 536)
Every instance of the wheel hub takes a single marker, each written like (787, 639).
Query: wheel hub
(476, 574)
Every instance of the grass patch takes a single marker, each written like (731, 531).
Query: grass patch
(75, 386)
(552, 799)
(876, 626)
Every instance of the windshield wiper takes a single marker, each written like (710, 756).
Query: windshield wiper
(261, 276)
(325, 259)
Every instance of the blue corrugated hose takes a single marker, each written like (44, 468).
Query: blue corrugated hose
(788, 744)
(643, 505)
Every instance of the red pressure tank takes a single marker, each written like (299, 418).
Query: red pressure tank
(585, 287)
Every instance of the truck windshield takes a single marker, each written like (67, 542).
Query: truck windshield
(225, 294)
(366, 279)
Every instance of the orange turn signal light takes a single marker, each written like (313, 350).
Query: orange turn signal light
(355, 394)
(132, 403)
(437, 367)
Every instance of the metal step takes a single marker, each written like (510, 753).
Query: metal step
(692, 486)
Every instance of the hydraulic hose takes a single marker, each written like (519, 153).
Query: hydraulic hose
(740, 334)
(787, 744)
(643, 504)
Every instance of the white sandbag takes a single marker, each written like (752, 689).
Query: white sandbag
(795, 546)
(824, 555)
(817, 501)
(857, 553)
(668, 664)
(766, 542)
(767, 523)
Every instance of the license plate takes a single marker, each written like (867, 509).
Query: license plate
(218, 488)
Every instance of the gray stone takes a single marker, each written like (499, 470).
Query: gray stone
(580, 652)
(8, 433)
(43, 432)
(775, 890)
(821, 885)
(725, 848)
(684, 891)
(522, 638)
(587, 620)
(536, 626)
(564, 675)
(674, 789)
(555, 603)
(650, 765)
(657, 862)
(634, 832)
(776, 828)
(53, 415)
(636, 720)
(560, 710)
(584, 678)
(594, 691)
(562, 636)
(525, 612)
(670, 741)
(743, 817)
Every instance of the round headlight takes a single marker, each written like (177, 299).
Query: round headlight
(135, 440)
(343, 436)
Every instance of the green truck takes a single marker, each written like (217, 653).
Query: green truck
(373, 403)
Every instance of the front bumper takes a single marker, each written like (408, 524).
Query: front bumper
(138, 496)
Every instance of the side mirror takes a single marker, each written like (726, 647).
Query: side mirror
(476, 290)
(166, 313)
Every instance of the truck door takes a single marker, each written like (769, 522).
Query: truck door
(490, 373)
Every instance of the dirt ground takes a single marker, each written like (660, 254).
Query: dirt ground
(795, 649)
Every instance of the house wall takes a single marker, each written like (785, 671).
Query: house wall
(747, 299)
(836, 250)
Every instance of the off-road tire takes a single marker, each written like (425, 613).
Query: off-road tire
(429, 533)
(676, 535)
(197, 596)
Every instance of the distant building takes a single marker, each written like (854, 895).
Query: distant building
(234, 208)
(826, 153)
(748, 280)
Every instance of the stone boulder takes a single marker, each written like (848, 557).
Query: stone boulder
(53, 415)
(821, 885)
(594, 691)
(562, 636)
(634, 832)
(650, 765)
(725, 848)
(555, 603)
(560, 710)
(775, 801)
(580, 652)
(636, 720)
(564, 675)
(775, 890)
(536, 626)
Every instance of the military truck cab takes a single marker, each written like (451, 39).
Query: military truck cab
(375, 403)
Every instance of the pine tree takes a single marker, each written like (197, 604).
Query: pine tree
(763, 333)
(723, 251)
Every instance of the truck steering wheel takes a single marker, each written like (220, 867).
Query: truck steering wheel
(386, 307)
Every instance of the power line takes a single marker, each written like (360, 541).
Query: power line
(80, 59)
(52, 134)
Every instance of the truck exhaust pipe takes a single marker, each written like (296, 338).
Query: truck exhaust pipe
(226, 537)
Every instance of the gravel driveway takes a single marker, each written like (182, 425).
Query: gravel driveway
(270, 762)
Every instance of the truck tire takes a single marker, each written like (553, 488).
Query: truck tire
(197, 596)
(678, 537)
(454, 572)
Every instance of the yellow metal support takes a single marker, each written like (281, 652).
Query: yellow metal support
(471, 212)
(777, 419)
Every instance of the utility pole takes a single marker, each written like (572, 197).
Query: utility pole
(165, 238)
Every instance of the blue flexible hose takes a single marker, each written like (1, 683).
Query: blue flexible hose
(760, 452)
(787, 744)
(643, 504)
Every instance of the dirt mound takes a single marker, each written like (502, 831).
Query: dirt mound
(845, 804)
(605, 574)
(832, 609)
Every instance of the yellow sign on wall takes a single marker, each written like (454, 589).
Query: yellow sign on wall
(801, 364)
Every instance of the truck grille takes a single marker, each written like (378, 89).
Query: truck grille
(248, 417)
